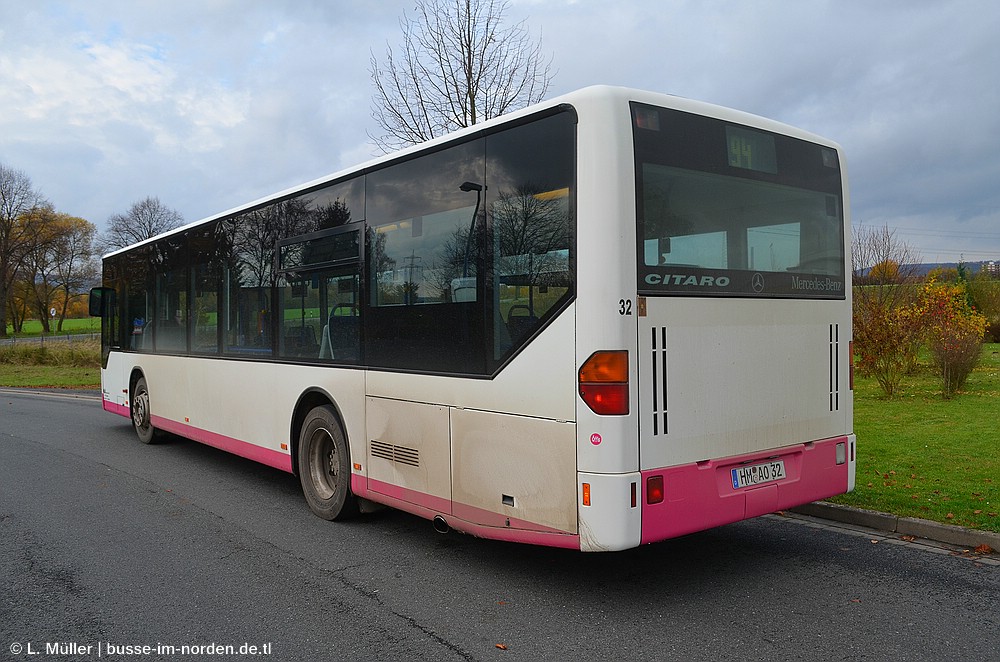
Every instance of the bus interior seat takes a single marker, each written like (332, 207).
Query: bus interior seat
(301, 340)
(344, 336)
(341, 334)
(519, 325)
(324, 344)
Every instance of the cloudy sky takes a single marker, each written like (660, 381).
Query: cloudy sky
(208, 104)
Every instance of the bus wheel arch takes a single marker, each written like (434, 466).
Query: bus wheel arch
(321, 457)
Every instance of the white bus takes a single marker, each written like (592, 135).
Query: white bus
(606, 320)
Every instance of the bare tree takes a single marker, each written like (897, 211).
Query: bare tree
(878, 257)
(886, 333)
(17, 198)
(458, 66)
(144, 219)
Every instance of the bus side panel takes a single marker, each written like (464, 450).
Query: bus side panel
(114, 384)
(229, 398)
(514, 468)
(408, 448)
(242, 406)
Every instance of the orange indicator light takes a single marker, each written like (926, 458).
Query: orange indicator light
(586, 494)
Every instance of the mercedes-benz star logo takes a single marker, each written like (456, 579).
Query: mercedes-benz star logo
(757, 283)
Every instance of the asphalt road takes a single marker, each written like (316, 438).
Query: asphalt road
(106, 541)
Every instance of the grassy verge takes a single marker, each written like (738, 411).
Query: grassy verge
(920, 455)
(35, 376)
(61, 364)
(70, 326)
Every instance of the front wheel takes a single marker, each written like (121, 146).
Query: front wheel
(325, 465)
(141, 419)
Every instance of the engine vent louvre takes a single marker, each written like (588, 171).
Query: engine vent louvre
(396, 454)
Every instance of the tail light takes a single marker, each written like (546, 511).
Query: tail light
(654, 489)
(603, 380)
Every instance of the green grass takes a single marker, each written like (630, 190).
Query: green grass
(70, 326)
(920, 455)
(61, 364)
(44, 376)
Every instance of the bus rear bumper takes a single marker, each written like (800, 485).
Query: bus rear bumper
(706, 494)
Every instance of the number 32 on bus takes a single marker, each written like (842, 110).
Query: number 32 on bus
(606, 320)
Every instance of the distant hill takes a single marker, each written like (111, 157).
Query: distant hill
(925, 268)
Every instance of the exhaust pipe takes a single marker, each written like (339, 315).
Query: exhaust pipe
(440, 525)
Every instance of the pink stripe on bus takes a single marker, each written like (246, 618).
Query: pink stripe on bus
(245, 449)
(114, 408)
(467, 519)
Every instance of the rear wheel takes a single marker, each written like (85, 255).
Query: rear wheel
(325, 465)
(141, 419)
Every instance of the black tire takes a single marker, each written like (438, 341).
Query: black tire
(141, 421)
(325, 465)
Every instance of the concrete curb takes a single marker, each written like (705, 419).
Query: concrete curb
(903, 526)
(85, 393)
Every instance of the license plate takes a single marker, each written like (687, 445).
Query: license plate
(755, 474)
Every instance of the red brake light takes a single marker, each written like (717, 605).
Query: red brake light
(654, 489)
(603, 380)
(606, 399)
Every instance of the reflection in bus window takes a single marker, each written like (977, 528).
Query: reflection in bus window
(205, 315)
(425, 259)
(171, 299)
(532, 260)
(530, 199)
(248, 277)
(774, 247)
(299, 307)
(716, 222)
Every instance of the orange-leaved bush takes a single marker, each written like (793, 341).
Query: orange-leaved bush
(886, 338)
(953, 331)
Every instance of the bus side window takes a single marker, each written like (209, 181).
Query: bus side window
(530, 200)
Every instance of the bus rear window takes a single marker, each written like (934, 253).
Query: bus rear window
(768, 224)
